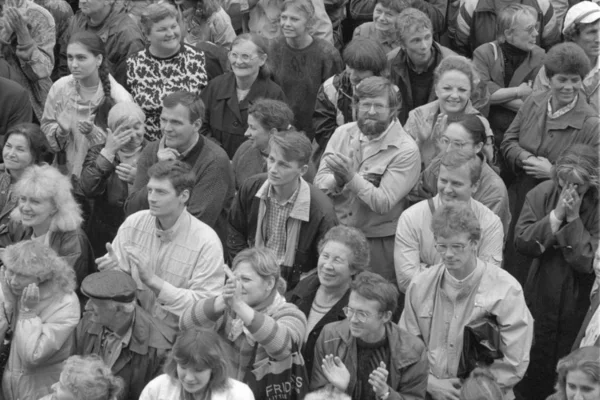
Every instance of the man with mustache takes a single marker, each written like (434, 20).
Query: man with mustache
(368, 168)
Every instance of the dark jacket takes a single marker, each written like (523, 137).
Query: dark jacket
(8, 202)
(15, 105)
(410, 366)
(594, 304)
(243, 220)
(225, 118)
(303, 296)
(142, 360)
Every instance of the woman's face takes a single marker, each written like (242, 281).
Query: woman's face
(333, 266)
(35, 211)
(255, 289)
(294, 23)
(257, 134)
(589, 39)
(17, 153)
(456, 137)
(18, 281)
(165, 35)
(245, 59)
(82, 63)
(192, 380)
(137, 130)
(384, 18)
(453, 91)
(564, 88)
(580, 386)
(580, 185)
(523, 33)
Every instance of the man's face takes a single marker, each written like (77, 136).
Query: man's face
(101, 312)
(92, 7)
(417, 44)
(163, 199)
(281, 170)
(454, 185)
(179, 132)
(367, 319)
(457, 252)
(374, 116)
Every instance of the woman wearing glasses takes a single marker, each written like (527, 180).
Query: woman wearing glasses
(228, 96)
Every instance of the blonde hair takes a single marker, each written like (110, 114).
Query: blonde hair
(90, 378)
(264, 264)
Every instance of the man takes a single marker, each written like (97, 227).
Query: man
(129, 340)
(15, 105)
(462, 289)
(368, 168)
(281, 211)
(174, 258)
(366, 355)
(180, 123)
(458, 180)
(119, 32)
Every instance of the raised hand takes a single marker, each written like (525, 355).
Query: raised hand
(167, 154)
(573, 203)
(117, 139)
(336, 372)
(232, 290)
(9, 298)
(31, 296)
(109, 260)
(378, 379)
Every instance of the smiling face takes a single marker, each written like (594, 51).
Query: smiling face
(193, 380)
(374, 319)
(257, 135)
(454, 185)
(417, 44)
(580, 386)
(165, 36)
(523, 34)
(137, 130)
(179, 132)
(456, 137)
(374, 116)
(589, 39)
(246, 59)
(294, 23)
(82, 63)
(564, 88)
(17, 153)
(453, 91)
(333, 266)
(36, 211)
(384, 18)
(255, 289)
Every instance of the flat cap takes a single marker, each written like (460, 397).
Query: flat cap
(112, 284)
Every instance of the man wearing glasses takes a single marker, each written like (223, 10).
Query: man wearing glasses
(459, 290)
(366, 355)
(368, 168)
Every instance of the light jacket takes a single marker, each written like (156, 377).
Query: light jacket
(409, 367)
(164, 387)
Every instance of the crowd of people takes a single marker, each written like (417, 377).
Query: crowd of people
(299, 199)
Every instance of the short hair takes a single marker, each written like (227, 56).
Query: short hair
(262, 48)
(295, 145)
(584, 359)
(123, 111)
(579, 161)
(38, 144)
(509, 15)
(373, 286)
(327, 393)
(412, 18)
(155, 13)
(375, 86)
(481, 385)
(394, 5)
(454, 219)
(304, 6)
(200, 349)
(189, 100)
(456, 63)
(355, 240)
(566, 58)
(474, 126)
(34, 258)
(272, 114)
(364, 54)
(457, 158)
(179, 173)
(88, 377)
(264, 264)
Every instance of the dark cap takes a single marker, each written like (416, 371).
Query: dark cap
(111, 284)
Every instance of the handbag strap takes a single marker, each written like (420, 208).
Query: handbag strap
(431, 205)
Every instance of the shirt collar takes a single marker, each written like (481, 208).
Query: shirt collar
(169, 234)
(291, 200)
(562, 111)
(301, 208)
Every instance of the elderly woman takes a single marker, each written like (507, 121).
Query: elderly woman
(165, 66)
(109, 171)
(547, 123)
(509, 65)
(197, 368)
(382, 29)
(343, 253)
(578, 375)
(86, 378)
(228, 97)
(582, 27)
(24, 145)
(42, 310)
(206, 21)
(251, 313)
(558, 227)
(454, 79)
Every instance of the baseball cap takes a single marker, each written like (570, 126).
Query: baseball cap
(584, 12)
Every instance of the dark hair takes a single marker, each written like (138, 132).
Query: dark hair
(38, 144)
(457, 158)
(200, 349)
(95, 45)
(262, 48)
(474, 126)
(566, 58)
(177, 172)
(295, 145)
(580, 161)
(395, 5)
(454, 219)
(272, 114)
(481, 385)
(353, 239)
(189, 100)
(373, 286)
(364, 54)
(375, 86)
(584, 359)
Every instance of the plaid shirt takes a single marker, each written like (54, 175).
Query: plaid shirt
(276, 217)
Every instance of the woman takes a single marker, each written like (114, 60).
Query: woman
(343, 253)
(86, 378)
(251, 313)
(509, 65)
(197, 368)
(481, 385)
(77, 106)
(578, 375)
(558, 228)
(382, 29)
(228, 97)
(24, 145)
(47, 213)
(206, 21)
(109, 171)
(42, 310)
(547, 123)
(165, 66)
(265, 118)
(454, 79)
(302, 62)
(27, 38)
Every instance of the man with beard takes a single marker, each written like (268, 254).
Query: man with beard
(368, 168)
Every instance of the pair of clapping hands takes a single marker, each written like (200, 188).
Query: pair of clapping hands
(136, 263)
(338, 375)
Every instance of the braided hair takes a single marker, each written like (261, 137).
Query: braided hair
(95, 45)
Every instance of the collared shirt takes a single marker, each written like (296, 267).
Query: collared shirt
(277, 215)
(561, 111)
(112, 344)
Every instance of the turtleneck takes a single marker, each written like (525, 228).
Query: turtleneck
(513, 57)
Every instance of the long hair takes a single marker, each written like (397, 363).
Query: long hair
(584, 359)
(578, 161)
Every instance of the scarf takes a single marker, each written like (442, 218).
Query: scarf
(238, 327)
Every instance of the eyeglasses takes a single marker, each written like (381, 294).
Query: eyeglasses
(457, 248)
(361, 316)
(368, 106)
(242, 57)
(444, 141)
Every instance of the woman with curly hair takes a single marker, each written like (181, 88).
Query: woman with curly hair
(578, 375)
(40, 310)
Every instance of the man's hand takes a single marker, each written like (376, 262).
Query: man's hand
(538, 167)
(336, 372)
(109, 260)
(167, 154)
(443, 389)
(342, 167)
(378, 379)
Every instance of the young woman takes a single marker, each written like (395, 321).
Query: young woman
(77, 106)
(382, 29)
(578, 375)
(197, 369)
